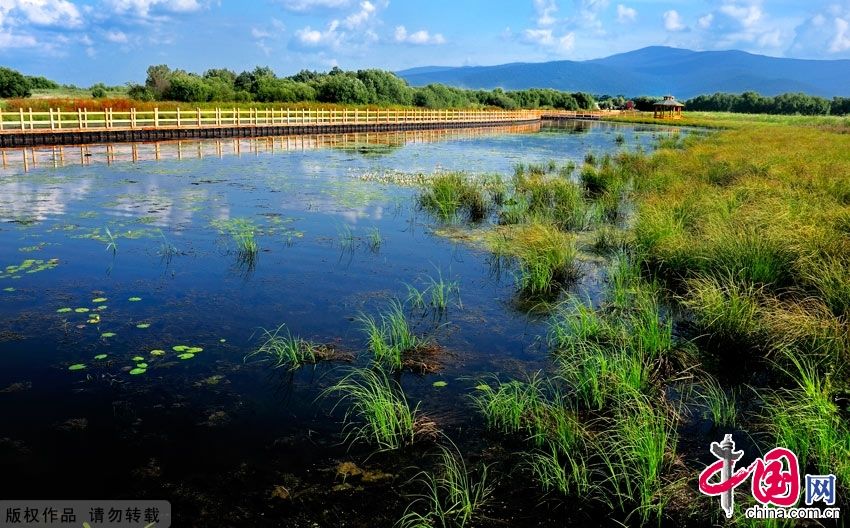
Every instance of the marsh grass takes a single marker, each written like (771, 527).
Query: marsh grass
(726, 307)
(452, 496)
(635, 452)
(806, 419)
(454, 196)
(533, 408)
(112, 242)
(346, 238)
(379, 404)
(390, 336)
(560, 472)
(167, 250)
(285, 350)
(719, 405)
(375, 240)
(547, 257)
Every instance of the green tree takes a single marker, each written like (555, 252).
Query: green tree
(159, 79)
(98, 91)
(342, 88)
(13, 84)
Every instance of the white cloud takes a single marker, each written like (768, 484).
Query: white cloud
(355, 20)
(746, 15)
(421, 37)
(704, 22)
(626, 14)
(9, 40)
(673, 21)
(118, 37)
(303, 6)
(841, 40)
(546, 38)
(61, 13)
(143, 8)
(258, 33)
(545, 10)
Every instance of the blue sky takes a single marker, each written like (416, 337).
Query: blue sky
(84, 41)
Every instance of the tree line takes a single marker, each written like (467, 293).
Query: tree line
(378, 87)
(373, 87)
(754, 103)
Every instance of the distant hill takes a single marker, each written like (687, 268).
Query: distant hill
(655, 70)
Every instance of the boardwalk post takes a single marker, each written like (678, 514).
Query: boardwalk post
(1, 128)
(80, 118)
(178, 116)
(199, 118)
(156, 116)
(31, 120)
(52, 125)
(22, 118)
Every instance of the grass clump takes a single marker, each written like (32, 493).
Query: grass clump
(560, 472)
(725, 307)
(387, 419)
(719, 405)
(438, 294)
(546, 257)
(523, 407)
(453, 196)
(390, 336)
(806, 419)
(286, 350)
(636, 452)
(453, 495)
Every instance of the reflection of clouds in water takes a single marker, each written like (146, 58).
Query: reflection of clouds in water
(361, 213)
(31, 201)
(162, 210)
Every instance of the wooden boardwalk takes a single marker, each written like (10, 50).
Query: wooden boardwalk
(24, 128)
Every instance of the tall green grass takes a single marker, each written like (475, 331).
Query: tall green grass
(389, 336)
(284, 350)
(378, 411)
(453, 196)
(453, 495)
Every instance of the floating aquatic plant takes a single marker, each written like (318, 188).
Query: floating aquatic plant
(157, 352)
(439, 384)
(100, 356)
(108, 334)
(77, 366)
(143, 325)
(99, 300)
(186, 355)
(137, 371)
(64, 310)
(134, 299)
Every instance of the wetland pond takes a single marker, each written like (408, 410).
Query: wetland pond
(112, 256)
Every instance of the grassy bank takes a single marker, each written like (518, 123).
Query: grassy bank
(726, 309)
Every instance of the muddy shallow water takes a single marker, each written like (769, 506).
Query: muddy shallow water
(124, 249)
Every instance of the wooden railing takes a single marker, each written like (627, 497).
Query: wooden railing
(109, 119)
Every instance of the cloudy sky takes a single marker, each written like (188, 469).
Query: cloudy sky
(84, 41)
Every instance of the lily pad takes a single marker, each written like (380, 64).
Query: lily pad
(9, 289)
(143, 325)
(194, 350)
(186, 356)
(108, 334)
(180, 348)
(483, 387)
(134, 299)
(439, 384)
(99, 300)
(64, 310)
(138, 371)
(100, 356)
(142, 365)
(81, 310)
(157, 352)
(94, 318)
(138, 358)
(77, 366)
(222, 340)
(101, 307)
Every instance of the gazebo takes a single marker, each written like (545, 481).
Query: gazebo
(669, 108)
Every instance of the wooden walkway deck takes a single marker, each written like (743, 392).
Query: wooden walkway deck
(25, 128)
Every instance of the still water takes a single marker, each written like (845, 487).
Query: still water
(115, 251)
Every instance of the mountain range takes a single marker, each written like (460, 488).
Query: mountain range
(656, 70)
